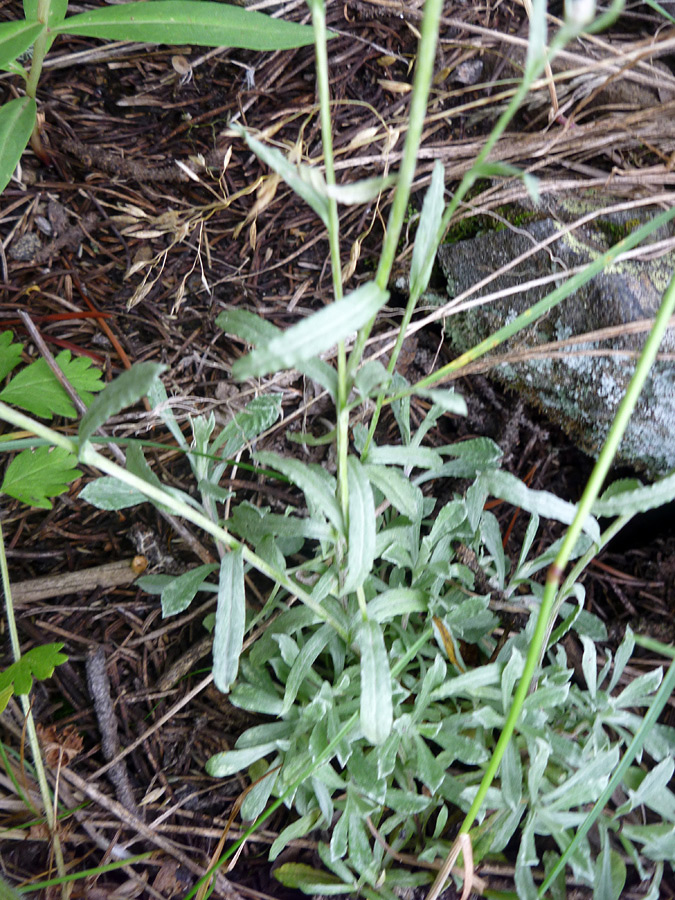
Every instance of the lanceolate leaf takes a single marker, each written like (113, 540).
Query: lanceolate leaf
(17, 120)
(376, 704)
(109, 493)
(314, 334)
(361, 533)
(15, 37)
(35, 475)
(424, 251)
(230, 621)
(125, 390)
(180, 591)
(315, 483)
(206, 24)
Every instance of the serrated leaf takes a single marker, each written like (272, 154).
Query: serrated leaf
(426, 237)
(38, 663)
(230, 620)
(124, 391)
(110, 494)
(180, 591)
(314, 334)
(376, 700)
(36, 475)
(17, 120)
(10, 354)
(206, 24)
(37, 389)
(361, 531)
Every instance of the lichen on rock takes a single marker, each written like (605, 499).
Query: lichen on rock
(578, 384)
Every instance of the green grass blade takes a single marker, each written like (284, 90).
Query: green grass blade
(200, 22)
(17, 120)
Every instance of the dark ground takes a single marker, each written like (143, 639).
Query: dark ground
(112, 196)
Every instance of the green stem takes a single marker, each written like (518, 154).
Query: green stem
(343, 387)
(555, 572)
(91, 457)
(424, 70)
(33, 740)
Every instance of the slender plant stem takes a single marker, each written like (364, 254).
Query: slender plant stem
(343, 387)
(424, 69)
(555, 572)
(45, 793)
(89, 456)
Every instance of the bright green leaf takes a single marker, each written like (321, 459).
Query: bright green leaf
(205, 24)
(15, 38)
(36, 475)
(310, 881)
(36, 388)
(17, 120)
(38, 663)
(10, 354)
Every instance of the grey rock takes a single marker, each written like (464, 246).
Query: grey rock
(575, 385)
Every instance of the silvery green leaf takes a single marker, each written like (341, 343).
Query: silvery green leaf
(303, 664)
(636, 500)
(376, 702)
(652, 789)
(259, 793)
(469, 684)
(658, 841)
(361, 531)
(623, 654)
(314, 334)
(306, 181)
(180, 591)
(161, 406)
(409, 457)
(363, 191)
(247, 424)
(294, 831)
(610, 872)
(370, 378)
(528, 540)
(429, 771)
(446, 400)
(639, 691)
(526, 860)
(255, 330)
(228, 637)
(232, 761)
(397, 602)
(513, 490)
(511, 772)
(589, 665)
(109, 493)
(403, 495)
(317, 485)
(426, 237)
(586, 784)
(124, 391)
(539, 752)
(536, 42)
(492, 538)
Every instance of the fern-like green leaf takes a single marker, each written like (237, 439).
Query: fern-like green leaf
(37, 390)
(38, 663)
(35, 475)
(10, 353)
